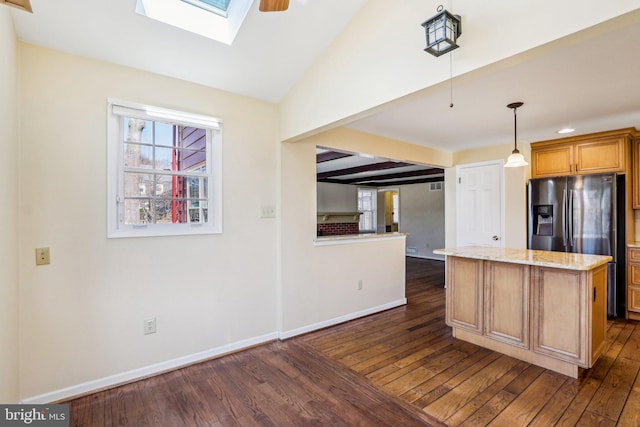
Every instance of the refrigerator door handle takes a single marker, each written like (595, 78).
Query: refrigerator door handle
(570, 219)
(564, 218)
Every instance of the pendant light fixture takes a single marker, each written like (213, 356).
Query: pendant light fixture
(442, 32)
(516, 159)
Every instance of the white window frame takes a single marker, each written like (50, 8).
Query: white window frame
(116, 228)
(373, 211)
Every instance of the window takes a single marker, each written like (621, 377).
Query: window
(396, 208)
(367, 199)
(164, 172)
(216, 6)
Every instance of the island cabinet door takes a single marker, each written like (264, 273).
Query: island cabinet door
(464, 293)
(560, 306)
(507, 303)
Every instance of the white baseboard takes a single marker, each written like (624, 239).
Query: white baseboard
(341, 319)
(169, 365)
(136, 374)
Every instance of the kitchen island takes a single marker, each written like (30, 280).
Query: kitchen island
(546, 308)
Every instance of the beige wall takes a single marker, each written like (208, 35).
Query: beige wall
(515, 192)
(319, 283)
(336, 197)
(9, 211)
(81, 318)
(365, 68)
(422, 216)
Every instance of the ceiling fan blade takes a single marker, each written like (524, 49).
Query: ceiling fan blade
(273, 5)
(20, 4)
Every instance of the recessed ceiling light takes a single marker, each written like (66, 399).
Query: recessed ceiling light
(566, 130)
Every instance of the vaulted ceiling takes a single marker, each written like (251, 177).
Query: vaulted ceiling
(590, 84)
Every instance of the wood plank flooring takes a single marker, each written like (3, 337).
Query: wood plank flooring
(397, 368)
(410, 353)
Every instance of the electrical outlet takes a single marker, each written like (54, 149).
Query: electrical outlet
(42, 256)
(150, 326)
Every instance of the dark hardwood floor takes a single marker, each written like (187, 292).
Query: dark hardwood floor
(397, 368)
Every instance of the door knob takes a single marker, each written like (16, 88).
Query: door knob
(495, 238)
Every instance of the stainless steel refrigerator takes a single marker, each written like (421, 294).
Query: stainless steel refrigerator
(581, 214)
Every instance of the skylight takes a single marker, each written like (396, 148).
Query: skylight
(218, 20)
(216, 6)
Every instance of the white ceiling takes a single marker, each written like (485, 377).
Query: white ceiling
(270, 53)
(591, 86)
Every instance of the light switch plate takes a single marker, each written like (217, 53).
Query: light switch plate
(268, 211)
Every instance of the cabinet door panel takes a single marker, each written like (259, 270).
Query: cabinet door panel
(600, 156)
(635, 158)
(633, 296)
(634, 274)
(599, 312)
(465, 293)
(552, 161)
(558, 321)
(507, 303)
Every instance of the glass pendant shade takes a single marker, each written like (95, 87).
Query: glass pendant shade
(515, 160)
(442, 32)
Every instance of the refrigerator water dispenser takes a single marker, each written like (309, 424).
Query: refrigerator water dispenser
(543, 220)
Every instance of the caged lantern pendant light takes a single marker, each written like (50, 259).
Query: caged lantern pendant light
(442, 31)
(515, 159)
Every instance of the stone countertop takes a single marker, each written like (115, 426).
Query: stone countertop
(358, 237)
(569, 261)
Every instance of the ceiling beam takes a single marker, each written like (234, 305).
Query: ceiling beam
(422, 172)
(375, 183)
(364, 168)
(331, 155)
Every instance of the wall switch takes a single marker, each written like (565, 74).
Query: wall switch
(150, 326)
(360, 285)
(42, 256)
(268, 212)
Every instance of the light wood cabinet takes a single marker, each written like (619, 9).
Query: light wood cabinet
(633, 283)
(507, 303)
(555, 160)
(551, 317)
(560, 328)
(586, 154)
(464, 295)
(635, 182)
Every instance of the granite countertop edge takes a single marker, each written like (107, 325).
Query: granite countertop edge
(564, 260)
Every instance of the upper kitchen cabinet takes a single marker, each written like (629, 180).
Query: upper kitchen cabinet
(635, 156)
(594, 153)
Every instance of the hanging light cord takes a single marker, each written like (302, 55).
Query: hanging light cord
(515, 131)
(451, 80)
(514, 106)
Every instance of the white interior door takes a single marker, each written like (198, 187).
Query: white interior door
(479, 205)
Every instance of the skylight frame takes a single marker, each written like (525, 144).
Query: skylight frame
(209, 6)
(196, 19)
